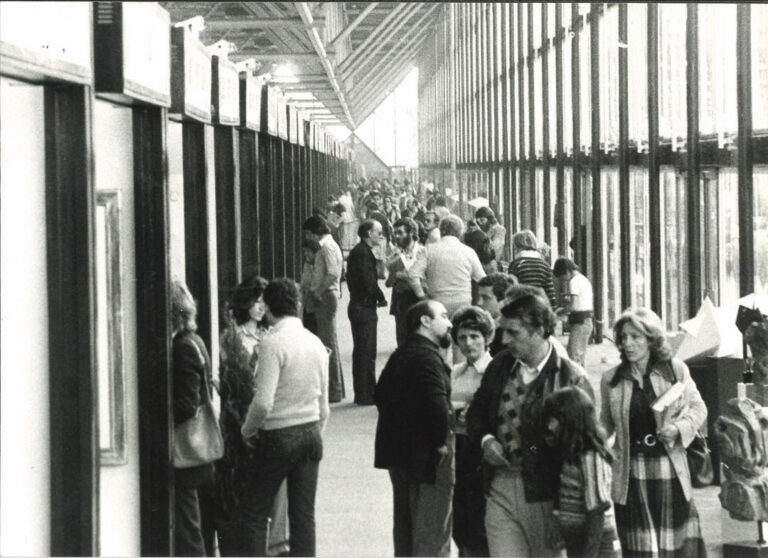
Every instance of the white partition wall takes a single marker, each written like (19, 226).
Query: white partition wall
(24, 407)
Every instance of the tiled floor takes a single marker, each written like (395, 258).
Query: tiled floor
(354, 502)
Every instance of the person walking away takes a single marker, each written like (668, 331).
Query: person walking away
(486, 220)
(528, 265)
(651, 491)
(238, 352)
(191, 367)
(584, 512)
(504, 419)
(415, 434)
(326, 290)
(364, 297)
(448, 268)
(284, 424)
(578, 308)
(399, 279)
(472, 330)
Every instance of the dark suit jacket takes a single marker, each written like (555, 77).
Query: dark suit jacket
(362, 279)
(413, 396)
(540, 467)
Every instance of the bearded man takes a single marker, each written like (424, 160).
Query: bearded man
(415, 433)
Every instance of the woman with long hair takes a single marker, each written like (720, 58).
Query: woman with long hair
(652, 493)
(239, 345)
(583, 512)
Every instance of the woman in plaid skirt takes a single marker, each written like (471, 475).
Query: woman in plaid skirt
(655, 513)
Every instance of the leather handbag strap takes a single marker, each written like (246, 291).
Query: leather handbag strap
(206, 395)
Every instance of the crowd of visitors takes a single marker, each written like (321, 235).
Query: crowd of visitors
(487, 424)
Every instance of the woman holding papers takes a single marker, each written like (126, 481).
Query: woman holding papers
(654, 420)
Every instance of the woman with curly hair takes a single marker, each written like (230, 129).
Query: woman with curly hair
(239, 344)
(472, 332)
(655, 513)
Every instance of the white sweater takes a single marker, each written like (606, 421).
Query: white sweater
(291, 383)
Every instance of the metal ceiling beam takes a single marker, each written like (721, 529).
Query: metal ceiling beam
(259, 54)
(351, 27)
(374, 49)
(375, 34)
(309, 87)
(413, 36)
(314, 37)
(382, 80)
(375, 97)
(257, 23)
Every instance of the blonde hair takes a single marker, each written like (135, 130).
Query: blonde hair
(183, 308)
(524, 240)
(649, 323)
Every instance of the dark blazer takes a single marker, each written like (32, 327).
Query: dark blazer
(413, 396)
(362, 279)
(540, 467)
(190, 362)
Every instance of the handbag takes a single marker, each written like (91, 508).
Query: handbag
(700, 462)
(198, 440)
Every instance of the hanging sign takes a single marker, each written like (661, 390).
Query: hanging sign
(269, 110)
(293, 124)
(43, 41)
(282, 117)
(132, 52)
(225, 92)
(250, 101)
(190, 76)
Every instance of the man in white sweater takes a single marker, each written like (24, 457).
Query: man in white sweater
(285, 422)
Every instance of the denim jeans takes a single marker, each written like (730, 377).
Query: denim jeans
(292, 453)
(577, 342)
(188, 535)
(325, 316)
(363, 320)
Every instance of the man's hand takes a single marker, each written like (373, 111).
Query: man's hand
(493, 454)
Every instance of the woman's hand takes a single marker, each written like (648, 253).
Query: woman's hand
(668, 434)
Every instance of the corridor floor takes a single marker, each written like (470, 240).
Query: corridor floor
(354, 500)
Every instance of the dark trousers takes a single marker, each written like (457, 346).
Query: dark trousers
(423, 512)
(293, 453)
(325, 315)
(469, 500)
(188, 536)
(363, 320)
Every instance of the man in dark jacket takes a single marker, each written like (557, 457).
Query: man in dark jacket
(504, 418)
(364, 297)
(414, 434)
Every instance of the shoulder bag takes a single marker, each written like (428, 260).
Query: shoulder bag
(198, 441)
(698, 453)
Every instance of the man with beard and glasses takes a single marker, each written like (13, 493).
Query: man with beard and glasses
(415, 433)
(406, 234)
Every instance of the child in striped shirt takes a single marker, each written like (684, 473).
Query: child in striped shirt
(583, 509)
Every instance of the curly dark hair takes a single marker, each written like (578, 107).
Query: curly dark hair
(246, 295)
(579, 429)
(474, 318)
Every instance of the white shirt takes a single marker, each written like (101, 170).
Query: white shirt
(581, 288)
(291, 386)
(448, 267)
(465, 379)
